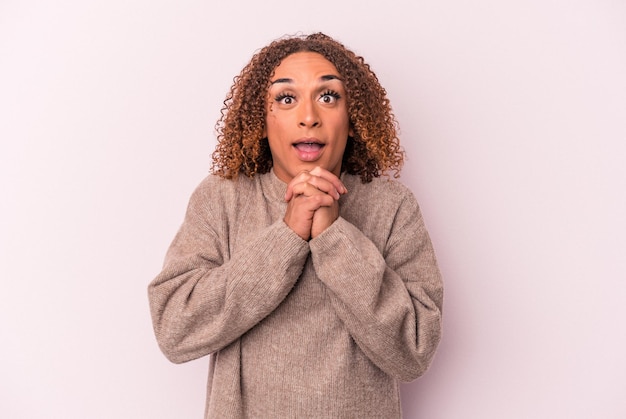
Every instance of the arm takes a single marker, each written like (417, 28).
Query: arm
(205, 298)
(391, 302)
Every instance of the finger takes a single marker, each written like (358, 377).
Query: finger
(322, 179)
(299, 178)
(324, 186)
(308, 189)
(313, 202)
(330, 177)
(301, 211)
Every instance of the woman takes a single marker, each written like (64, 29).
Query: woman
(308, 275)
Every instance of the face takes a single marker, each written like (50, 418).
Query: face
(307, 122)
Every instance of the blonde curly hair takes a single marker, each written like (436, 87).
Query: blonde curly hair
(373, 149)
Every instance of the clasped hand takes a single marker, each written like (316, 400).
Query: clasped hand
(313, 202)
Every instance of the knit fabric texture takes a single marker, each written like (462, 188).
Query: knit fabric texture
(324, 328)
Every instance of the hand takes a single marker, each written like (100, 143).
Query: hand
(323, 218)
(313, 202)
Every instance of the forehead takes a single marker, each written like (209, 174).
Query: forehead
(304, 64)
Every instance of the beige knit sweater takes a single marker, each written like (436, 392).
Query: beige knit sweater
(297, 329)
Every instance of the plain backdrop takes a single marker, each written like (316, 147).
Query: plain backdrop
(513, 117)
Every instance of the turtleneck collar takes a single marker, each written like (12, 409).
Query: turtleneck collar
(273, 187)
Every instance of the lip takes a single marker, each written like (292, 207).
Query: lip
(308, 149)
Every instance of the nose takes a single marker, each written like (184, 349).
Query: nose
(308, 116)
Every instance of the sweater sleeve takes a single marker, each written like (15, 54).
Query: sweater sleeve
(204, 298)
(391, 302)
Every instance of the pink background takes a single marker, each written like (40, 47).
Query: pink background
(513, 115)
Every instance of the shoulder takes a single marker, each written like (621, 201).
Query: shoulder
(380, 191)
(379, 208)
(217, 193)
(214, 183)
(383, 199)
(216, 186)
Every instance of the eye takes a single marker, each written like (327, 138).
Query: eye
(329, 97)
(285, 98)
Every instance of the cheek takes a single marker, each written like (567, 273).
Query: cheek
(274, 125)
(343, 126)
(270, 126)
(345, 121)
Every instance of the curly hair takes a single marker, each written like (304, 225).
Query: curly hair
(372, 150)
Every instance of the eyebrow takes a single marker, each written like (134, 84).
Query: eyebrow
(327, 77)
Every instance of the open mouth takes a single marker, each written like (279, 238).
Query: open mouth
(308, 149)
